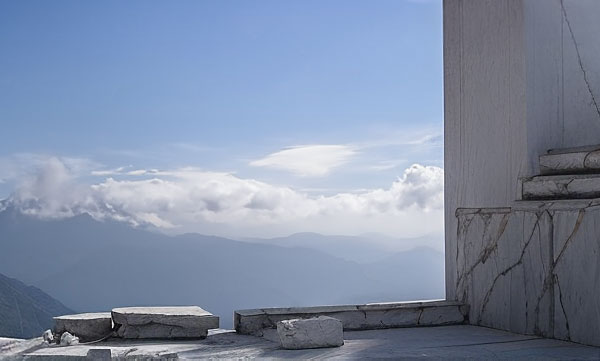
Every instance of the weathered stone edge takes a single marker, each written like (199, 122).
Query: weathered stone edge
(358, 317)
(534, 206)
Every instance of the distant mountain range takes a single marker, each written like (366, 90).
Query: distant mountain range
(94, 266)
(26, 311)
(367, 248)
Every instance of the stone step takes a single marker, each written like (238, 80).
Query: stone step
(163, 322)
(580, 186)
(571, 160)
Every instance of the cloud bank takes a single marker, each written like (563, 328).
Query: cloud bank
(190, 199)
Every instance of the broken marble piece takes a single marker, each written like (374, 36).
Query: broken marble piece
(87, 326)
(68, 340)
(48, 337)
(163, 322)
(316, 332)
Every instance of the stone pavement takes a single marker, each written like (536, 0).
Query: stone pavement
(460, 342)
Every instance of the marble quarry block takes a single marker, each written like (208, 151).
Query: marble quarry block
(316, 332)
(571, 160)
(357, 317)
(533, 268)
(581, 186)
(86, 326)
(163, 322)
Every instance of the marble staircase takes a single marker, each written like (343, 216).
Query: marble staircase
(571, 173)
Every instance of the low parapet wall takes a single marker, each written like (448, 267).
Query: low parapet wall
(357, 317)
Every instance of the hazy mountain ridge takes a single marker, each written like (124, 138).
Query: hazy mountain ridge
(366, 248)
(94, 266)
(26, 311)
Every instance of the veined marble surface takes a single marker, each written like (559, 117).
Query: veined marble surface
(533, 268)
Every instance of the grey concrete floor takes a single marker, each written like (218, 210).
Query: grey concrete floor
(433, 343)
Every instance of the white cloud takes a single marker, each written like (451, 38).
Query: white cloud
(308, 160)
(189, 199)
(108, 172)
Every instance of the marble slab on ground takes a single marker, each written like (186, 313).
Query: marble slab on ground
(459, 342)
(86, 326)
(163, 322)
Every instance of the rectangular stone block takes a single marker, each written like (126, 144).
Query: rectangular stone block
(86, 326)
(163, 322)
(315, 332)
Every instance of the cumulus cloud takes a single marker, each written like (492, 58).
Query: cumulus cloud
(190, 199)
(308, 160)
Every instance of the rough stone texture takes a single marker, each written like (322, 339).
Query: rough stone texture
(163, 322)
(86, 326)
(533, 268)
(356, 317)
(561, 187)
(315, 332)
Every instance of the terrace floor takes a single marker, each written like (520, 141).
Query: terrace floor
(459, 342)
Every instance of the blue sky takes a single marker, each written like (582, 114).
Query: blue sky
(322, 97)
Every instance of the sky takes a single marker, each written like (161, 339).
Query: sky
(237, 118)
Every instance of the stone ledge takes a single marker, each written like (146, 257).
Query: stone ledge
(568, 187)
(163, 322)
(465, 211)
(87, 326)
(357, 317)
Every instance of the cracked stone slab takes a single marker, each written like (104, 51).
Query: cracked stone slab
(163, 322)
(571, 160)
(86, 326)
(562, 187)
(315, 332)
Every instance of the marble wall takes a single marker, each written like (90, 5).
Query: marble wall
(533, 268)
(520, 77)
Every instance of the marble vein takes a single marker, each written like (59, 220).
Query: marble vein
(585, 77)
(508, 269)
